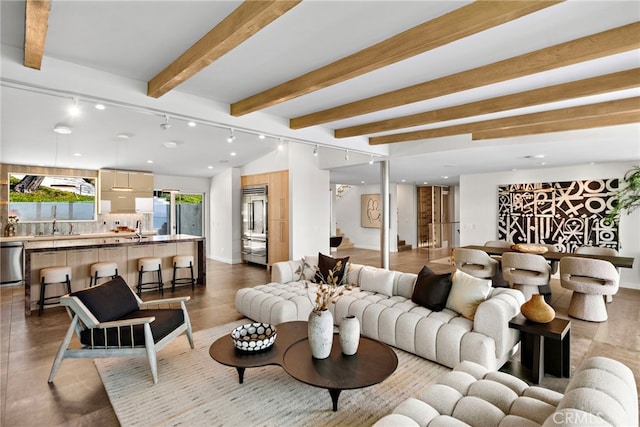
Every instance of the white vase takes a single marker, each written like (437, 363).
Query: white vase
(349, 335)
(320, 333)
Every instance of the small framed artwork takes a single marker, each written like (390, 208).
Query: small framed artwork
(370, 211)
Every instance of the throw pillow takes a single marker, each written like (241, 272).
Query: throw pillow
(109, 301)
(431, 290)
(467, 292)
(377, 280)
(326, 263)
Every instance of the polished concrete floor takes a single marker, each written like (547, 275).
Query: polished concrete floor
(77, 396)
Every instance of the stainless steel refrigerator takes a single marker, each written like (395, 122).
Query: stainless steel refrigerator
(254, 224)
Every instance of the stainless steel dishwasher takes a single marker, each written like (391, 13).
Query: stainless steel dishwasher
(11, 262)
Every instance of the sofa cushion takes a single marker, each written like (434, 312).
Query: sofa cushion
(111, 300)
(431, 289)
(467, 292)
(327, 263)
(377, 280)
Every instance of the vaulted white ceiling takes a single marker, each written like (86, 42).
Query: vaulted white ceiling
(136, 40)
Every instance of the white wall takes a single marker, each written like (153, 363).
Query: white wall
(479, 205)
(309, 204)
(348, 217)
(224, 243)
(407, 209)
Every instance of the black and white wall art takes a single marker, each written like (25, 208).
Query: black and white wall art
(568, 214)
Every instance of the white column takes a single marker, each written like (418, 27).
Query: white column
(384, 230)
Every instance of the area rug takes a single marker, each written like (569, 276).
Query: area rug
(195, 390)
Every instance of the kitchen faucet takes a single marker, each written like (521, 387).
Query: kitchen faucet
(138, 230)
(54, 230)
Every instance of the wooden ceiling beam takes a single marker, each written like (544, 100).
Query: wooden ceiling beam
(592, 86)
(590, 111)
(457, 24)
(36, 24)
(245, 21)
(567, 125)
(606, 43)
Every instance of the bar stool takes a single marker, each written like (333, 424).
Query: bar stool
(153, 266)
(101, 270)
(183, 261)
(53, 276)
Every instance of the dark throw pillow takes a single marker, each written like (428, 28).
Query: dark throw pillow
(111, 300)
(326, 263)
(431, 289)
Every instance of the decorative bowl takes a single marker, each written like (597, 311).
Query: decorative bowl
(254, 337)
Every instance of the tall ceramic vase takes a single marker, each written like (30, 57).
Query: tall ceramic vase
(349, 335)
(537, 310)
(320, 333)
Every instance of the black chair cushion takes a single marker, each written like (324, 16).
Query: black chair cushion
(431, 289)
(167, 320)
(111, 300)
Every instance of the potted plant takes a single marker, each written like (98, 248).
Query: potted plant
(628, 196)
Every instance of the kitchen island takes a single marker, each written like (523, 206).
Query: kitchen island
(80, 253)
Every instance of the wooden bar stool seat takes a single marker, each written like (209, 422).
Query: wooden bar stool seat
(100, 270)
(53, 276)
(183, 261)
(152, 266)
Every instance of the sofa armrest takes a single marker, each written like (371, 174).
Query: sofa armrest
(285, 271)
(493, 316)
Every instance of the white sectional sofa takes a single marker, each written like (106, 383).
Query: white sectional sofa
(602, 392)
(390, 316)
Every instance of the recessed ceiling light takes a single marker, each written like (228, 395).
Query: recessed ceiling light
(444, 177)
(425, 183)
(261, 136)
(77, 154)
(62, 129)
(534, 156)
(149, 161)
(123, 136)
(191, 124)
(100, 107)
(209, 167)
(233, 153)
(542, 163)
(362, 182)
(170, 144)
(403, 180)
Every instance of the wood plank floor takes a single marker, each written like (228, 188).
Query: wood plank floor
(77, 397)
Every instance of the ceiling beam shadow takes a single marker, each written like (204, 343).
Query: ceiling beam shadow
(621, 80)
(245, 21)
(594, 112)
(455, 25)
(606, 43)
(35, 31)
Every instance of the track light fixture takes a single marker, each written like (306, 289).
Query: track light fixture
(166, 125)
(281, 145)
(346, 154)
(371, 160)
(315, 151)
(74, 110)
(231, 136)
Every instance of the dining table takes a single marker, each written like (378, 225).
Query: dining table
(617, 261)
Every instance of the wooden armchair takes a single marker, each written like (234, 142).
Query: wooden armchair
(111, 321)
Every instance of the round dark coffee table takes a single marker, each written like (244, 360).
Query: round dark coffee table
(373, 363)
(223, 351)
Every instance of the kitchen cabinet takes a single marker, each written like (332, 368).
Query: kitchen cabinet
(118, 255)
(80, 261)
(138, 199)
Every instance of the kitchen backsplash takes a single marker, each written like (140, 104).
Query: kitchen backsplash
(105, 223)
